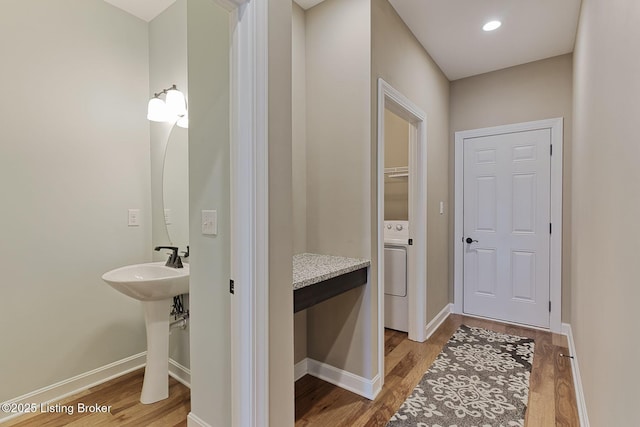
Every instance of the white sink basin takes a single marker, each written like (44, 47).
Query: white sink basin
(154, 285)
(149, 282)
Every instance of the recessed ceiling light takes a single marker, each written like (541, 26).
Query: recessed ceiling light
(491, 25)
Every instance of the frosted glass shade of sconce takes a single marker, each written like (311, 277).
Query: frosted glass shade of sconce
(183, 121)
(176, 103)
(157, 110)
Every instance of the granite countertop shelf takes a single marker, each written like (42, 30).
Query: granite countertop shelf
(319, 277)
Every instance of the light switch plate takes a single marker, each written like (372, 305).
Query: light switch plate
(134, 217)
(209, 222)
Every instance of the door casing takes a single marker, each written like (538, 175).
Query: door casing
(391, 99)
(555, 270)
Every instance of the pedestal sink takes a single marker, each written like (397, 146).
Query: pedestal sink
(155, 285)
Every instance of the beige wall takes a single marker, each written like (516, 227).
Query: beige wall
(299, 159)
(606, 209)
(396, 154)
(167, 66)
(299, 128)
(74, 157)
(281, 391)
(338, 46)
(535, 91)
(209, 183)
(411, 70)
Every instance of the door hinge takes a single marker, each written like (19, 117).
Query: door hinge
(410, 242)
(549, 228)
(551, 150)
(232, 287)
(549, 306)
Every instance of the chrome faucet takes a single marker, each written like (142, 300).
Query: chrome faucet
(174, 260)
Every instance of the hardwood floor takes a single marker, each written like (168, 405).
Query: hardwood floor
(123, 395)
(552, 399)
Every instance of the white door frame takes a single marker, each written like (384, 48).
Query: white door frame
(249, 214)
(391, 99)
(555, 266)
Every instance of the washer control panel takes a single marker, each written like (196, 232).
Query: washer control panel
(396, 230)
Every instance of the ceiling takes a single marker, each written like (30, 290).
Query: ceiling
(451, 31)
(307, 4)
(143, 9)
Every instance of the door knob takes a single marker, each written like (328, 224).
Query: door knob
(470, 240)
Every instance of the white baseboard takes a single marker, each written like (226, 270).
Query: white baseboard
(300, 369)
(435, 323)
(343, 379)
(194, 421)
(180, 373)
(577, 379)
(76, 384)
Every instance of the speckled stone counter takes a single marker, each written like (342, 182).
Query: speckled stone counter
(320, 277)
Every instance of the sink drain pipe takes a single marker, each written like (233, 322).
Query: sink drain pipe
(180, 315)
(181, 323)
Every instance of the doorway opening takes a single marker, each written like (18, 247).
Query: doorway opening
(396, 221)
(408, 184)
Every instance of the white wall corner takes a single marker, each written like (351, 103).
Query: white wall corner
(230, 5)
(180, 373)
(435, 323)
(76, 384)
(301, 369)
(194, 421)
(368, 388)
(577, 379)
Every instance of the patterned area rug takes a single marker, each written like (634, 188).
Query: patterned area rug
(481, 378)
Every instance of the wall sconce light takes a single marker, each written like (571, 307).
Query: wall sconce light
(173, 109)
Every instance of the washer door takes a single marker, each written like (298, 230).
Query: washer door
(395, 271)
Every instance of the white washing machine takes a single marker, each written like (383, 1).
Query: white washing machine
(396, 277)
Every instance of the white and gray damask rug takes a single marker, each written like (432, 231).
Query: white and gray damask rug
(481, 378)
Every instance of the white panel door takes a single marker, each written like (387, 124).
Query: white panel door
(507, 222)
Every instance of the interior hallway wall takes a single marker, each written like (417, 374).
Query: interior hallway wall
(299, 159)
(208, 44)
(402, 62)
(167, 66)
(299, 128)
(281, 385)
(606, 209)
(74, 157)
(341, 331)
(534, 91)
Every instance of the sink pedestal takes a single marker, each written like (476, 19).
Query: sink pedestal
(155, 285)
(156, 374)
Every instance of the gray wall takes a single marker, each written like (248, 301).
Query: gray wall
(412, 71)
(74, 157)
(299, 159)
(606, 208)
(534, 91)
(299, 128)
(209, 183)
(281, 390)
(341, 331)
(167, 66)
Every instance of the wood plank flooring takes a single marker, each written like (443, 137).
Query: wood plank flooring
(320, 404)
(123, 394)
(552, 399)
